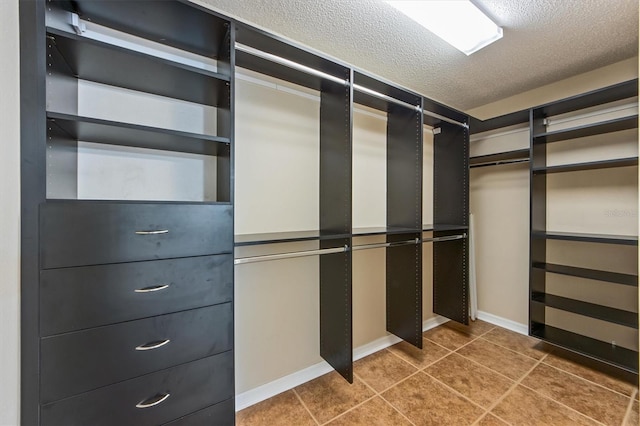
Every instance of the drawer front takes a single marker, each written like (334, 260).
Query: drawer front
(106, 294)
(92, 233)
(191, 387)
(221, 414)
(77, 362)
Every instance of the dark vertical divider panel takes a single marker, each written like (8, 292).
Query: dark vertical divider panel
(451, 208)
(225, 114)
(335, 219)
(450, 278)
(404, 210)
(538, 218)
(32, 170)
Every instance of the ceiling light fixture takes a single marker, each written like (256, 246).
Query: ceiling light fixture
(458, 22)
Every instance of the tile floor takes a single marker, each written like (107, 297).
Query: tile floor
(477, 375)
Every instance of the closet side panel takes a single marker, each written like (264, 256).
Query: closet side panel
(336, 331)
(451, 210)
(404, 210)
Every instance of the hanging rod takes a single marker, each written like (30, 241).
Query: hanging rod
(265, 257)
(386, 97)
(499, 163)
(408, 105)
(443, 118)
(290, 64)
(385, 245)
(446, 238)
(308, 70)
(415, 241)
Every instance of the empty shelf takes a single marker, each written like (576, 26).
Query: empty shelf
(284, 237)
(125, 134)
(592, 274)
(115, 66)
(520, 154)
(616, 355)
(608, 126)
(631, 240)
(606, 164)
(604, 313)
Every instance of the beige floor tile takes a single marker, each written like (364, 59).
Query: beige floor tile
(634, 417)
(526, 345)
(382, 370)
(592, 400)
(491, 420)
(420, 358)
(284, 409)
(478, 383)
(426, 402)
(477, 327)
(593, 371)
(524, 407)
(374, 412)
(448, 337)
(498, 358)
(331, 395)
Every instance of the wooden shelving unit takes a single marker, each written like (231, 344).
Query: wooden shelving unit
(540, 263)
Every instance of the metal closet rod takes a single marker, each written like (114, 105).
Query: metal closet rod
(289, 255)
(308, 70)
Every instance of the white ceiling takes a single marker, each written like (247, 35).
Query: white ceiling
(544, 41)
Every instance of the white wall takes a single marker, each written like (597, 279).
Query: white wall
(9, 215)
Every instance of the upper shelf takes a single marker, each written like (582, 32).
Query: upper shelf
(185, 26)
(625, 90)
(592, 165)
(113, 65)
(630, 240)
(125, 134)
(608, 126)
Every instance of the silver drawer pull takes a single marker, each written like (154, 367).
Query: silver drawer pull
(153, 401)
(155, 232)
(152, 345)
(152, 288)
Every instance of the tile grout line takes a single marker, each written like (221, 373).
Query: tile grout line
(485, 367)
(305, 406)
(587, 380)
(563, 405)
(514, 351)
(511, 389)
(379, 394)
(556, 401)
(449, 352)
(627, 414)
(509, 349)
(449, 388)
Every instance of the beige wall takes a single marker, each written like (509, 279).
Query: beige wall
(601, 77)
(598, 201)
(9, 215)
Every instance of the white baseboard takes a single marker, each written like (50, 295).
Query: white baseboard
(503, 322)
(268, 390)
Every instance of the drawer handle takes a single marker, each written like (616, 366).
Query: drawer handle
(152, 288)
(153, 401)
(155, 232)
(152, 345)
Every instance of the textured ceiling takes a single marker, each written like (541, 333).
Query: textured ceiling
(544, 41)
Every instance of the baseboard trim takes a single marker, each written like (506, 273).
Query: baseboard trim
(503, 322)
(290, 381)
